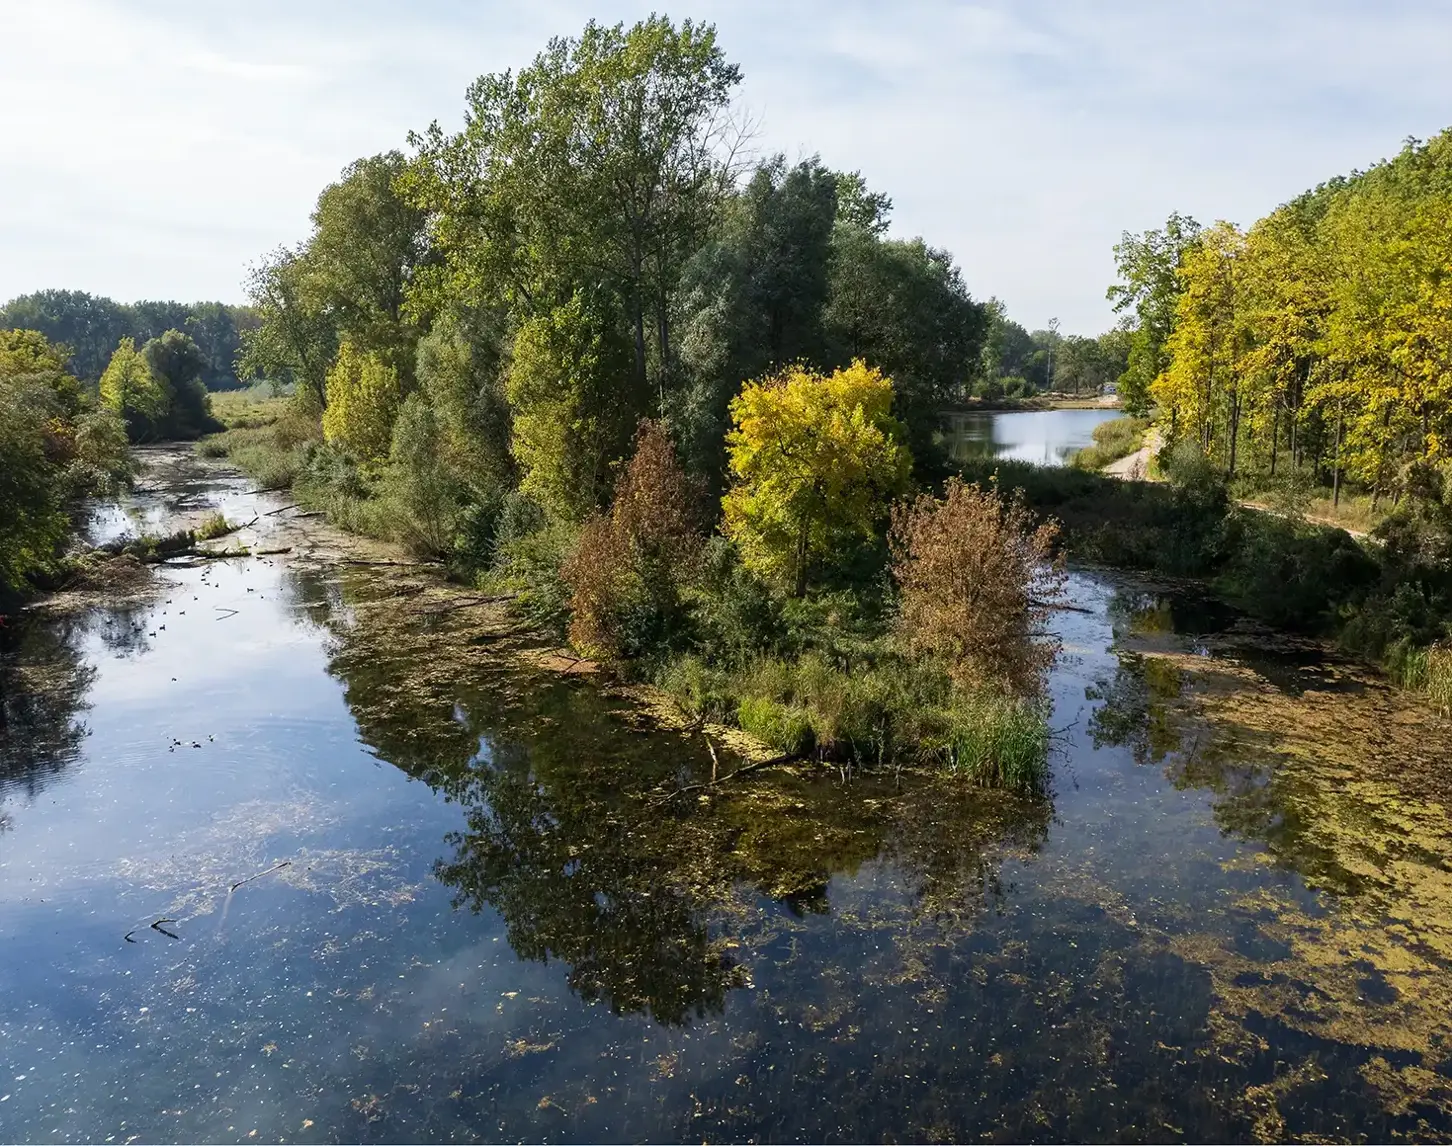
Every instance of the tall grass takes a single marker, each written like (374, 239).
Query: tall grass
(1428, 671)
(1114, 439)
(998, 742)
(888, 713)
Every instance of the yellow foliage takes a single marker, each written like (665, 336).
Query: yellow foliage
(1326, 329)
(363, 400)
(816, 460)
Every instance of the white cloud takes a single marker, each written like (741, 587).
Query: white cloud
(153, 148)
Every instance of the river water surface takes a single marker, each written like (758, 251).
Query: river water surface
(279, 862)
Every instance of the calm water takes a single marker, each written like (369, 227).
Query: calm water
(1044, 437)
(1231, 921)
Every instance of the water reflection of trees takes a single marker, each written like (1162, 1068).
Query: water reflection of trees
(43, 686)
(567, 835)
(1322, 775)
(1342, 780)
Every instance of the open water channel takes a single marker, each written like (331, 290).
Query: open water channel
(286, 856)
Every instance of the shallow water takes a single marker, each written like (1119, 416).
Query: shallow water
(1233, 919)
(1044, 437)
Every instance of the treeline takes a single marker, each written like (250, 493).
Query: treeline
(583, 349)
(1315, 344)
(57, 445)
(1015, 363)
(91, 327)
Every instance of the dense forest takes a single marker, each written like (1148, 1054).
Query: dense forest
(92, 327)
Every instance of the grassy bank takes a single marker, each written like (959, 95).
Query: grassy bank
(1387, 599)
(1114, 439)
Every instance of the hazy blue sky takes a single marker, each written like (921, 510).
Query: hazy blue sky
(152, 149)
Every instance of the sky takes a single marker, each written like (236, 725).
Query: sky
(154, 148)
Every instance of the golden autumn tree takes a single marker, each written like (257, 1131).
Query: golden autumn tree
(363, 401)
(1200, 385)
(816, 460)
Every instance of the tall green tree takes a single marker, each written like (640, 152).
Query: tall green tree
(367, 246)
(753, 298)
(1147, 294)
(350, 281)
(177, 363)
(598, 166)
(296, 339)
(567, 372)
(901, 306)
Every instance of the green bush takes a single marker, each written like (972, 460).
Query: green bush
(1293, 575)
(735, 615)
(530, 563)
(784, 727)
(703, 693)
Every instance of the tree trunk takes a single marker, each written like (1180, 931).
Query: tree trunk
(1336, 462)
(662, 324)
(1234, 429)
(800, 588)
(638, 321)
(1275, 435)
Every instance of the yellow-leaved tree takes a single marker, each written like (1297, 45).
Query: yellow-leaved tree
(817, 460)
(363, 401)
(131, 389)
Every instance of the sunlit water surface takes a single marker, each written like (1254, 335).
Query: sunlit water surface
(487, 926)
(1043, 437)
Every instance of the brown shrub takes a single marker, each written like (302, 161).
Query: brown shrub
(978, 581)
(624, 571)
(655, 503)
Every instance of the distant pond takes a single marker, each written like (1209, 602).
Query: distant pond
(1044, 437)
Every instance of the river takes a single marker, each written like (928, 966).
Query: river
(290, 852)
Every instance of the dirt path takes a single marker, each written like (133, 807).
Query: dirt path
(1135, 466)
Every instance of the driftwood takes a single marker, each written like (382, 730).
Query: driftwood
(156, 924)
(259, 875)
(1059, 606)
(401, 564)
(471, 603)
(735, 773)
(195, 555)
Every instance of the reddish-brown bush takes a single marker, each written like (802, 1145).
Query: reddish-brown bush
(625, 568)
(978, 579)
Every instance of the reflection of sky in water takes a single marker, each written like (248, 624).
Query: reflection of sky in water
(1044, 437)
(806, 961)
